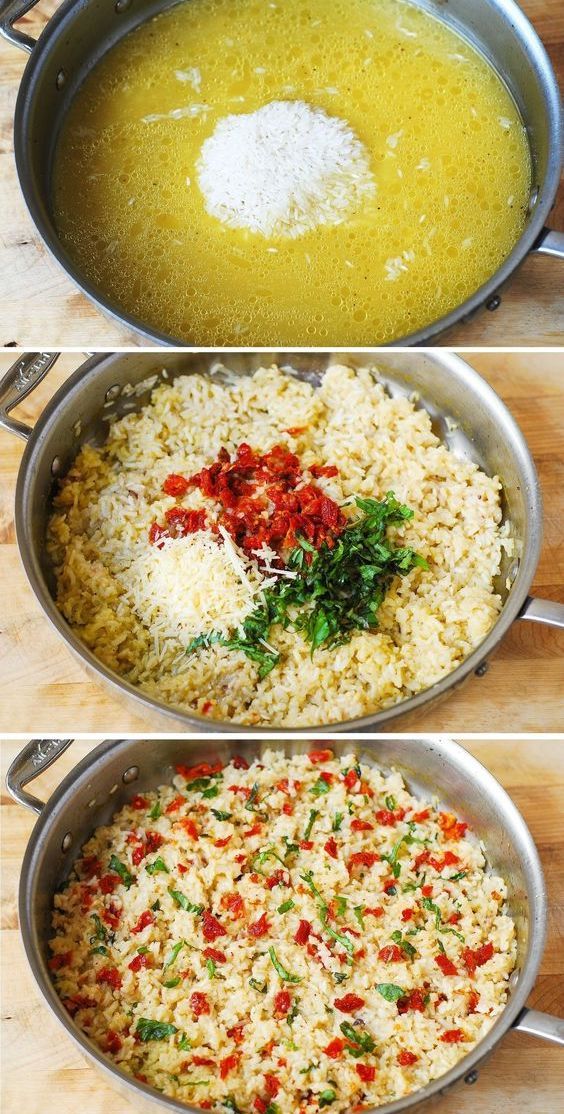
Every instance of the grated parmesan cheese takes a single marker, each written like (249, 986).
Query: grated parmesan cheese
(192, 585)
(283, 170)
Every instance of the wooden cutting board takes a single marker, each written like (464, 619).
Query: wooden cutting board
(45, 689)
(43, 1070)
(40, 307)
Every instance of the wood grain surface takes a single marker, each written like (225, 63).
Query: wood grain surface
(43, 1069)
(40, 307)
(43, 688)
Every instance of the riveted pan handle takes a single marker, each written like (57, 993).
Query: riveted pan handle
(18, 382)
(543, 611)
(10, 12)
(36, 757)
(542, 1025)
(550, 242)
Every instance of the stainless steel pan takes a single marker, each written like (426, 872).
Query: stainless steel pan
(466, 412)
(102, 782)
(81, 31)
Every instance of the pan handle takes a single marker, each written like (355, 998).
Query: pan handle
(543, 1025)
(543, 611)
(550, 242)
(10, 12)
(18, 382)
(35, 757)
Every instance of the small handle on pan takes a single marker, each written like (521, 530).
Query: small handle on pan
(36, 757)
(18, 382)
(550, 242)
(10, 12)
(543, 611)
(542, 1025)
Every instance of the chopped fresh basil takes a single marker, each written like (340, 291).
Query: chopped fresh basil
(156, 811)
(213, 791)
(361, 1040)
(100, 950)
(184, 1044)
(345, 941)
(221, 815)
(320, 788)
(358, 911)
(285, 975)
(391, 803)
(327, 1097)
(172, 982)
(121, 869)
(256, 985)
(156, 866)
(457, 877)
(286, 906)
(312, 818)
(101, 932)
(404, 944)
(183, 901)
(390, 991)
(154, 1030)
(337, 821)
(174, 954)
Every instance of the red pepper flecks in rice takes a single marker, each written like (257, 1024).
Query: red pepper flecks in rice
(264, 971)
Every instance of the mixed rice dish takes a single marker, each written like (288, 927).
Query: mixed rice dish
(264, 551)
(295, 934)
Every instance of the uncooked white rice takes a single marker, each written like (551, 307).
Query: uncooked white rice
(199, 902)
(430, 619)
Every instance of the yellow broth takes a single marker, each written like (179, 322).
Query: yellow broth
(447, 149)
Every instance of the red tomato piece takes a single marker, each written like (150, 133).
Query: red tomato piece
(175, 485)
(391, 953)
(282, 1002)
(199, 1003)
(229, 1064)
(328, 470)
(405, 1059)
(335, 1048)
(407, 914)
(386, 817)
(377, 912)
(476, 957)
(61, 960)
(110, 976)
(363, 858)
(446, 965)
(351, 779)
(366, 1072)
(211, 927)
(451, 827)
(272, 1085)
(222, 842)
(203, 769)
(452, 1036)
(234, 904)
(140, 961)
(327, 777)
(419, 817)
(108, 883)
(317, 756)
(144, 921)
(139, 802)
(237, 1033)
(213, 954)
(415, 1000)
(260, 927)
(175, 804)
(349, 1003)
(190, 827)
(112, 1042)
(361, 826)
(331, 848)
(79, 1002)
(239, 763)
(302, 933)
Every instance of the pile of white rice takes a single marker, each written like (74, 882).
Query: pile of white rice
(223, 876)
(112, 587)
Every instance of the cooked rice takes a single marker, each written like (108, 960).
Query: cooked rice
(240, 856)
(429, 622)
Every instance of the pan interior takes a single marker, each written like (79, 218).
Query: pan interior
(81, 33)
(95, 790)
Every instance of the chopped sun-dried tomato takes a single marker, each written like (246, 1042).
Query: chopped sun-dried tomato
(473, 999)
(213, 954)
(211, 927)
(446, 965)
(302, 932)
(138, 802)
(351, 778)
(282, 1002)
(239, 763)
(182, 869)
(327, 777)
(317, 756)
(288, 809)
(405, 1059)
(90, 867)
(229, 1064)
(190, 827)
(144, 921)
(108, 883)
(386, 817)
(201, 1061)
(476, 957)
(306, 844)
(78, 1002)
(272, 1085)
(199, 1003)
(175, 804)
(260, 927)
(222, 842)
(363, 858)
(349, 1003)
(139, 961)
(452, 1036)
(415, 1000)
(328, 470)
(61, 960)
(255, 830)
(176, 485)
(112, 1042)
(335, 1048)
(376, 912)
(237, 1033)
(261, 1105)
(419, 817)
(331, 848)
(110, 976)
(451, 827)
(112, 915)
(361, 826)
(280, 877)
(407, 914)
(203, 769)
(391, 953)
(234, 904)
(366, 1072)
